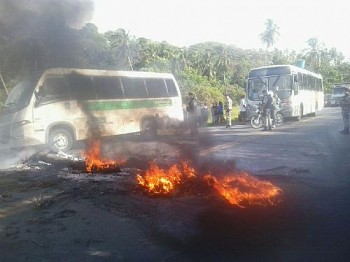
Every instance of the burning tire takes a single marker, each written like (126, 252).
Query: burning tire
(60, 139)
(149, 128)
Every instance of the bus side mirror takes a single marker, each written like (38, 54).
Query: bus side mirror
(38, 97)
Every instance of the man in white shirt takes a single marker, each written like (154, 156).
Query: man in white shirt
(242, 110)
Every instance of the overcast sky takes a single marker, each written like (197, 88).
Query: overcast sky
(237, 22)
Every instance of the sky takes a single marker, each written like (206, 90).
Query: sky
(233, 22)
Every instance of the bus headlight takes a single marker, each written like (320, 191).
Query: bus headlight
(20, 123)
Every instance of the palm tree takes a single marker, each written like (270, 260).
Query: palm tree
(314, 53)
(269, 36)
(223, 63)
(207, 64)
(120, 41)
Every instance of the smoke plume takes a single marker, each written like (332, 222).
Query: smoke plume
(28, 16)
(38, 34)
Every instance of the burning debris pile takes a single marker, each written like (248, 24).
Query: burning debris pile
(158, 181)
(238, 188)
(94, 161)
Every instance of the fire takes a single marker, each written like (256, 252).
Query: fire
(158, 181)
(240, 189)
(94, 161)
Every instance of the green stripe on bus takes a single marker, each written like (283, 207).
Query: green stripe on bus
(114, 105)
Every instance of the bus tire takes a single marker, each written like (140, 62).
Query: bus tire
(60, 139)
(149, 128)
(316, 109)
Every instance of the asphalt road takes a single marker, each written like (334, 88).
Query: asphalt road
(44, 217)
(312, 144)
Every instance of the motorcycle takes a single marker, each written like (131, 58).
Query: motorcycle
(257, 120)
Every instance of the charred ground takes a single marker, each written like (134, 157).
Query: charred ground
(50, 212)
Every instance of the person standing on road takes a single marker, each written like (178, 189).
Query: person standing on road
(192, 113)
(228, 111)
(221, 113)
(266, 107)
(275, 108)
(345, 111)
(242, 109)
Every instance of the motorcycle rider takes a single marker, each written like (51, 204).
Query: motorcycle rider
(274, 107)
(266, 107)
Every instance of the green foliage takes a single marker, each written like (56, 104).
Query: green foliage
(208, 69)
(207, 91)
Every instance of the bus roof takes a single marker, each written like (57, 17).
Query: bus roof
(98, 72)
(273, 70)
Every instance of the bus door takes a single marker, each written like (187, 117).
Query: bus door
(50, 105)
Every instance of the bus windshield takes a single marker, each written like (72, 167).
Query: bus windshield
(19, 96)
(338, 90)
(281, 85)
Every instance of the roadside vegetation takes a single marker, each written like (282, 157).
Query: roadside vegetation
(208, 69)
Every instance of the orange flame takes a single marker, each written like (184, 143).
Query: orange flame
(238, 189)
(158, 181)
(93, 160)
(241, 188)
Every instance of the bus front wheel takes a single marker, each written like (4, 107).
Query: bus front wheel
(60, 139)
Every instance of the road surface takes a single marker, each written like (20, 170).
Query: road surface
(50, 213)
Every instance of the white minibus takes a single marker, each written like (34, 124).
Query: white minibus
(63, 105)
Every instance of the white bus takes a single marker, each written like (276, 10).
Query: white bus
(65, 104)
(300, 90)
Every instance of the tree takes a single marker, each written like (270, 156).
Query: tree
(313, 53)
(223, 63)
(120, 42)
(269, 36)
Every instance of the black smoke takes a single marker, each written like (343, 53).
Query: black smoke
(38, 34)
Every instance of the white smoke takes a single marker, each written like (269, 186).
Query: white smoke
(13, 157)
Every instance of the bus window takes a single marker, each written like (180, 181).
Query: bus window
(108, 87)
(172, 91)
(255, 88)
(20, 96)
(53, 89)
(82, 87)
(134, 87)
(156, 87)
